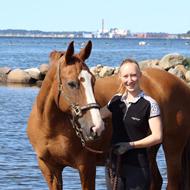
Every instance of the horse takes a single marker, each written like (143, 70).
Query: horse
(173, 97)
(65, 119)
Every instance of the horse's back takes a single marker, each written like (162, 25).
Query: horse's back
(166, 88)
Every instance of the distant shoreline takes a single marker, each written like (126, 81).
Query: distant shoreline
(112, 34)
(59, 37)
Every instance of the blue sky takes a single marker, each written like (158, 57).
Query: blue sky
(172, 16)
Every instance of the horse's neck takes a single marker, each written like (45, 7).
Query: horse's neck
(45, 98)
(46, 106)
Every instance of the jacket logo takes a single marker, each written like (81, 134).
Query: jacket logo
(135, 119)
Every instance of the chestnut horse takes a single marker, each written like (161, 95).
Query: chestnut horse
(173, 97)
(65, 118)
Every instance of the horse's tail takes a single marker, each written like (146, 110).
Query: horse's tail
(186, 167)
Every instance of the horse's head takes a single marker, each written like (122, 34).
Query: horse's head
(73, 91)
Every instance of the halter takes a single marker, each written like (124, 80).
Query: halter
(76, 111)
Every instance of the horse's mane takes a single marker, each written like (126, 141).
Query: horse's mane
(49, 78)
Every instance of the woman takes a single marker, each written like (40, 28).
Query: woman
(136, 125)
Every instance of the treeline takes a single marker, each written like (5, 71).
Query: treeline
(32, 32)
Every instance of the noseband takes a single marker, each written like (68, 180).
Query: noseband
(77, 111)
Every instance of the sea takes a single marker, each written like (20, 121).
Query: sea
(18, 164)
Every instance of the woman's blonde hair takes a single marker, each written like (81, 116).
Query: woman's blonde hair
(122, 88)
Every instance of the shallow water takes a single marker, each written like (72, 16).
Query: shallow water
(18, 165)
(31, 52)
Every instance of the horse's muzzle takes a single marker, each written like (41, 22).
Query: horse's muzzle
(93, 135)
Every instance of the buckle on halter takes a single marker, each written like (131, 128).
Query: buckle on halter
(60, 87)
(76, 110)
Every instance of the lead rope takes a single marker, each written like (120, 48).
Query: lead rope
(117, 173)
(114, 179)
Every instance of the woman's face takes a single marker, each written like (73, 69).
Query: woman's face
(130, 75)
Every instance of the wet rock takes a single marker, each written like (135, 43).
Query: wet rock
(19, 76)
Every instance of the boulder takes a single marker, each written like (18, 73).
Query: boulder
(19, 76)
(3, 78)
(34, 73)
(149, 63)
(96, 70)
(44, 68)
(171, 60)
(5, 70)
(106, 71)
(181, 68)
(177, 73)
(187, 76)
(3, 74)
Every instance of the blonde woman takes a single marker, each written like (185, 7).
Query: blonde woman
(133, 114)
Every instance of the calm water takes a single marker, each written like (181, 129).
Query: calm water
(18, 166)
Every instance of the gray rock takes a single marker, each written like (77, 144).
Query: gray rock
(106, 71)
(5, 70)
(171, 60)
(19, 76)
(34, 73)
(187, 76)
(3, 78)
(44, 68)
(149, 63)
(177, 73)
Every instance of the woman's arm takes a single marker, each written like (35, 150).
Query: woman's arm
(154, 138)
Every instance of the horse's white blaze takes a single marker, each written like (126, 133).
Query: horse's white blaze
(95, 113)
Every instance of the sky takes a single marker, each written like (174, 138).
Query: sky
(170, 16)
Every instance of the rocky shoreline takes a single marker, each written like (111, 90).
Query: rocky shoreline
(174, 63)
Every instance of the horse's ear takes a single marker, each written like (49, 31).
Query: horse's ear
(85, 52)
(55, 55)
(69, 52)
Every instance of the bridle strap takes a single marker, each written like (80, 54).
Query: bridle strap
(89, 106)
(93, 150)
(60, 87)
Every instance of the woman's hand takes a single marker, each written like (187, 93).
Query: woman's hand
(121, 148)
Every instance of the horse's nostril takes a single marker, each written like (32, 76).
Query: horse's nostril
(94, 134)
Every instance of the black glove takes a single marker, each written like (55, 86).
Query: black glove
(121, 148)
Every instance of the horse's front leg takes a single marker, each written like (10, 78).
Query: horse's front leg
(52, 174)
(87, 173)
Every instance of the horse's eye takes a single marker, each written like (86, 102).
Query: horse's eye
(82, 79)
(73, 84)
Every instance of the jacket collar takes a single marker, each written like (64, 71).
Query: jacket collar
(124, 97)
